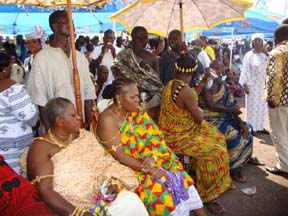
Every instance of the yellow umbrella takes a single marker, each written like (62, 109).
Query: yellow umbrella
(68, 4)
(161, 16)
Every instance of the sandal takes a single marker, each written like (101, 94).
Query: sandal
(238, 177)
(232, 187)
(214, 207)
(255, 161)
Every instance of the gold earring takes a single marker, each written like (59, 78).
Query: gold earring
(119, 104)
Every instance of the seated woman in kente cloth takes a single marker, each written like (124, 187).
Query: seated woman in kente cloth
(132, 138)
(17, 196)
(186, 133)
(221, 110)
(72, 173)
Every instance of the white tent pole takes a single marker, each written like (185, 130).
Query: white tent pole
(231, 47)
(114, 26)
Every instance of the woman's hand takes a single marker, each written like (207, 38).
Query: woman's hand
(207, 74)
(148, 163)
(236, 111)
(112, 189)
(185, 49)
(160, 174)
(243, 128)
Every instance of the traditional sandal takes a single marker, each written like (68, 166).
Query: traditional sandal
(214, 207)
(255, 161)
(232, 187)
(238, 177)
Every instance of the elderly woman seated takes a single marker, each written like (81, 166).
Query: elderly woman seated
(72, 173)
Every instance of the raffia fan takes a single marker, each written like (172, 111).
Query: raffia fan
(56, 3)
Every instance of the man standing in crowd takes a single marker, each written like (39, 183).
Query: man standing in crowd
(105, 54)
(169, 57)
(141, 65)
(51, 74)
(277, 98)
(35, 41)
(253, 79)
(208, 49)
(21, 49)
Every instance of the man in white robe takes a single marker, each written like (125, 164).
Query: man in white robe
(253, 79)
(52, 71)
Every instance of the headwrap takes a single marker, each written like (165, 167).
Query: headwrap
(38, 34)
(257, 35)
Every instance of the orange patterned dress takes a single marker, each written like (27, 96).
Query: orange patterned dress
(202, 142)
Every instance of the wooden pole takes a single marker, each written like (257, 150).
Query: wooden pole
(76, 77)
(181, 19)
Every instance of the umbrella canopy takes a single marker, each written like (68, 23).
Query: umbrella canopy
(68, 4)
(254, 23)
(55, 3)
(162, 16)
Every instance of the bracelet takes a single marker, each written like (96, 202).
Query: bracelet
(39, 178)
(79, 212)
(201, 84)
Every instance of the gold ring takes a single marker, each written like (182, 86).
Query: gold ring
(163, 179)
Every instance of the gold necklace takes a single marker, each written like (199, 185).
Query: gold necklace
(56, 141)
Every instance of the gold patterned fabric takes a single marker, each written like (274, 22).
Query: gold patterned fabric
(277, 75)
(81, 167)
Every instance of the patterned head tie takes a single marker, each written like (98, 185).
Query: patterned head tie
(186, 69)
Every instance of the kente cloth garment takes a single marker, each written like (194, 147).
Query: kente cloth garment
(239, 146)
(202, 142)
(136, 69)
(82, 166)
(17, 117)
(18, 197)
(52, 76)
(141, 138)
(253, 75)
(277, 75)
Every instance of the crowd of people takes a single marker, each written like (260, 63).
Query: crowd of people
(169, 139)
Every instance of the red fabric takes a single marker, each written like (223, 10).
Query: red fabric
(18, 197)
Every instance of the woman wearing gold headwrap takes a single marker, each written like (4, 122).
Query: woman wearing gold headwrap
(186, 133)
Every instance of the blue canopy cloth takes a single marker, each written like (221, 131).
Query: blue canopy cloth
(68, 4)
(21, 20)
